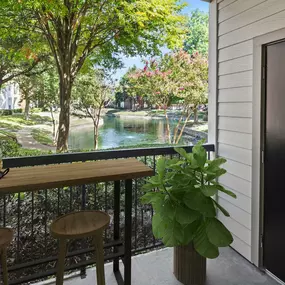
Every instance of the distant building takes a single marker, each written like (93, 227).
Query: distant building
(10, 97)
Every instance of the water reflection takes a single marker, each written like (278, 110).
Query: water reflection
(119, 132)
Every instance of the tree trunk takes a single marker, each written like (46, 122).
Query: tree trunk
(96, 136)
(182, 129)
(64, 115)
(167, 126)
(196, 117)
(53, 124)
(176, 129)
(97, 120)
(27, 109)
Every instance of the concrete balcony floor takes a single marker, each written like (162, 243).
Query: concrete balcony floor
(155, 268)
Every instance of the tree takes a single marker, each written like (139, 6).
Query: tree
(47, 94)
(27, 86)
(197, 39)
(126, 89)
(178, 78)
(98, 31)
(15, 59)
(20, 50)
(92, 91)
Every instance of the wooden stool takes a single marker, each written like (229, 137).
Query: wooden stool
(77, 225)
(6, 236)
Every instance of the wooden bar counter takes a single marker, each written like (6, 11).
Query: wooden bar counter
(71, 174)
(81, 173)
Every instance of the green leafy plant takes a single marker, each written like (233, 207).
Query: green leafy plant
(183, 197)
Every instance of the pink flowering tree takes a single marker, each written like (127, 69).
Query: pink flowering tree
(176, 78)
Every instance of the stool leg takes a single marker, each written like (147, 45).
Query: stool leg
(4, 265)
(99, 247)
(60, 262)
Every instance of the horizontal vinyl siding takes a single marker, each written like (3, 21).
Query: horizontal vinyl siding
(264, 26)
(263, 10)
(240, 64)
(236, 183)
(235, 153)
(240, 21)
(237, 8)
(239, 125)
(242, 201)
(240, 110)
(239, 94)
(239, 169)
(237, 214)
(236, 51)
(225, 3)
(236, 139)
(241, 247)
(233, 80)
(237, 229)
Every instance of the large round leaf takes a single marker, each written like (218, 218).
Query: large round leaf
(173, 234)
(157, 226)
(202, 244)
(197, 201)
(190, 231)
(217, 233)
(186, 216)
(209, 190)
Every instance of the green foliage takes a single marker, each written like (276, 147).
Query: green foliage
(46, 90)
(18, 119)
(10, 127)
(42, 136)
(20, 49)
(197, 39)
(10, 148)
(10, 112)
(81, 34)
(182, 194)
(176, 78)
(127, 87)
(36, 110)
(91, 90)
(91, 93)
(173, 78)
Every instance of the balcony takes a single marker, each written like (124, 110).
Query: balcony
(155, 268)
(33, 253)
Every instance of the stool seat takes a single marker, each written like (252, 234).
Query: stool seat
(79, 224)
(6, 236)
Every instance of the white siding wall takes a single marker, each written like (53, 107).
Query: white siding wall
(239, 22)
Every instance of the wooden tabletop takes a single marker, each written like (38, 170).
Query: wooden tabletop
(71, 174)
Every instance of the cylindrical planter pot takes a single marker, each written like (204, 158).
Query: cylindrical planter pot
(189, 266)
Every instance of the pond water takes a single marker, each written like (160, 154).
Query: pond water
(120, 132)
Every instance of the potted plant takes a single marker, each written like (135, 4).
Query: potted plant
(185, 210)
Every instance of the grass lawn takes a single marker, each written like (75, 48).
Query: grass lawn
(42, 136)
(18, 119)
(201, 128)
(150, 113)
(119, 112)
(7, 135)
(9, 126)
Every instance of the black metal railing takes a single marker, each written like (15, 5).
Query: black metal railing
(33, 253)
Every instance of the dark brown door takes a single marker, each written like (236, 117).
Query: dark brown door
(274, 159)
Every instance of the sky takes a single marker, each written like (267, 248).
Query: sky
(130, 61)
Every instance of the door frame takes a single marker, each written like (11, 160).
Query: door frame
(258, 135)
